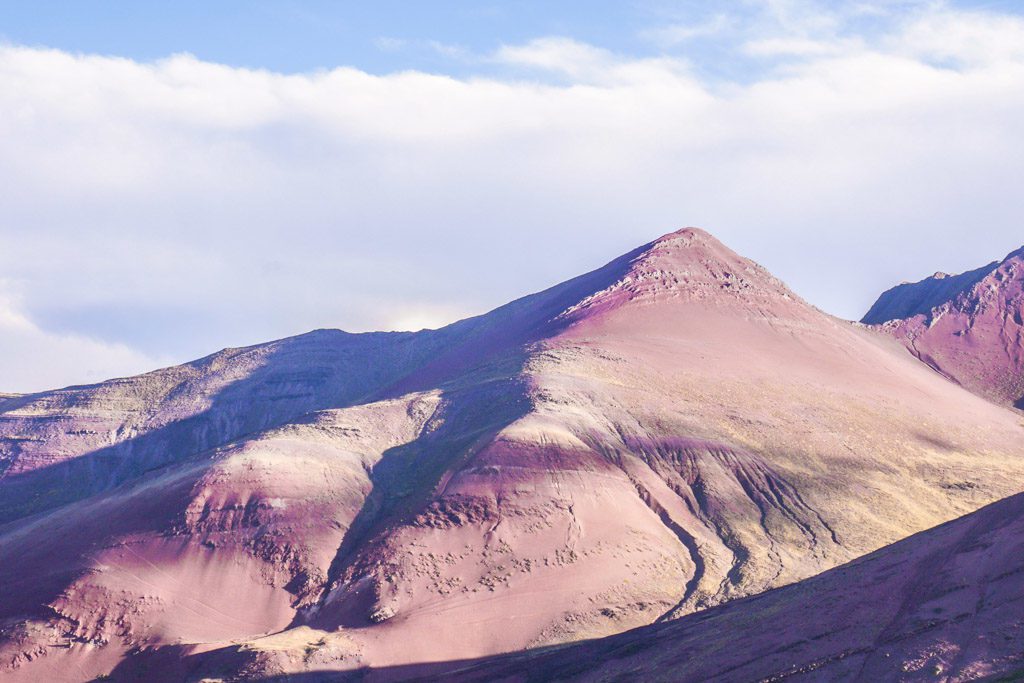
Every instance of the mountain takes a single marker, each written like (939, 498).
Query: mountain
(968, 327)
(945, 604)
(908, 299)
(667, 433)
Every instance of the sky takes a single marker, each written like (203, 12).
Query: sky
(176, 178)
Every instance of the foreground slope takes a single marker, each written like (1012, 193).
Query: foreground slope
(669, 432)
(946, 604)
(969, 327)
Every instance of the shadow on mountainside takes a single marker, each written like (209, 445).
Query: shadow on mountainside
(319, 370)
(404, 480)
(880, 617)
(477, 366)
(408, 477)
(478, 406)
(315, 371)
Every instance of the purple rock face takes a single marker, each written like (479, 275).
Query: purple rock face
(968, 327)
(666, 434)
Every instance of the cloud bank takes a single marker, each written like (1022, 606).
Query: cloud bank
(159, 211)
(37, 358)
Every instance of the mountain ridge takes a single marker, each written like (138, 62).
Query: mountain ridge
(666, 433)
(908, 299)
(970, 332)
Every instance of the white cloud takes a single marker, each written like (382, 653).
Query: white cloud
(802, 47)
(447, 49)
(675, 34)
(584, 64)
(391, 44)
(34, 359)
(180, 206)
(559, 55)
(966, 38)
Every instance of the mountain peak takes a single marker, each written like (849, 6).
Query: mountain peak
(688, 235)
(909, 299)
(693, 262)
(966, 326)
(693, 240)
(1014, 256)
(688, 265)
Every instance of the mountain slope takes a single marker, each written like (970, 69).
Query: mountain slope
(969, 327)
(945, 604)
(669, 432)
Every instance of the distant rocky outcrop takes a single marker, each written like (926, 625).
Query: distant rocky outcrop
(968, 327)
(908, 299)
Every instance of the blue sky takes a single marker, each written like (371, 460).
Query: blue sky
(387, 36)
(302, 36)
(377, 37)
(180, 177)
